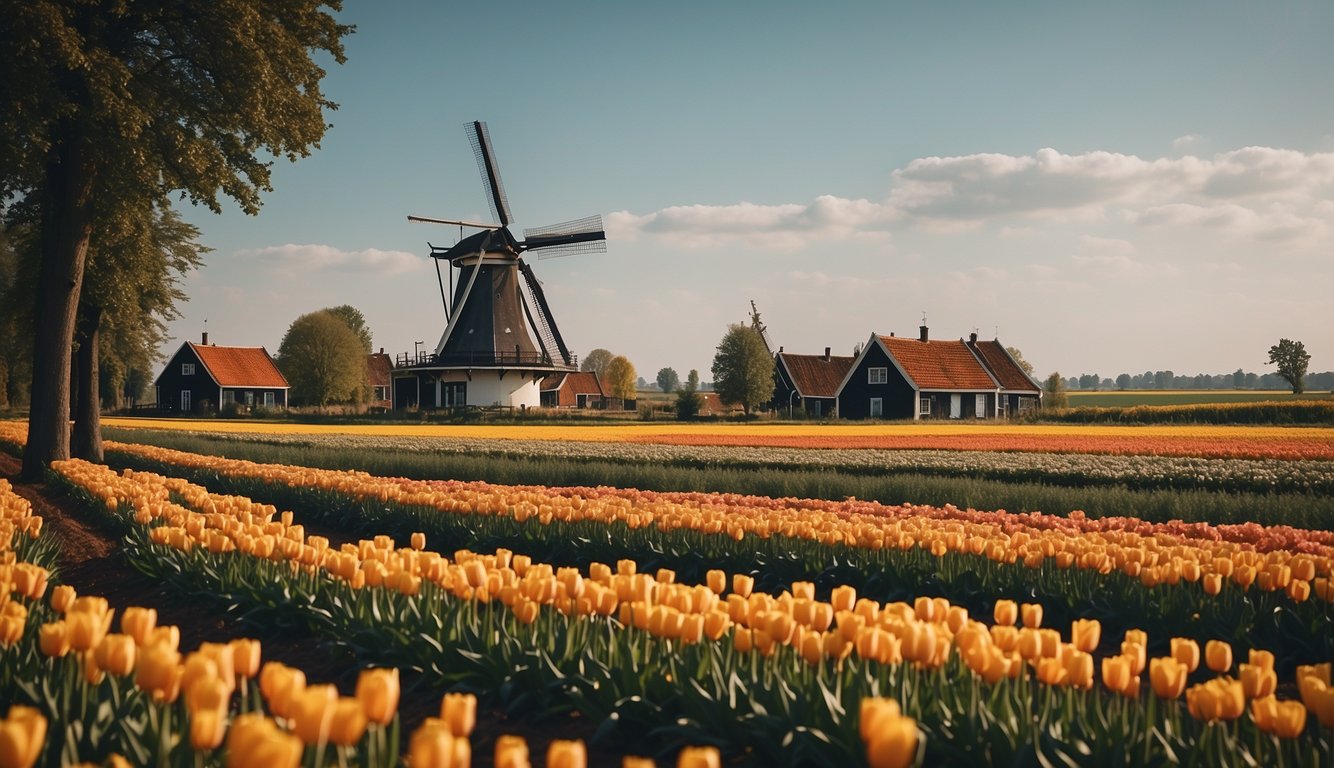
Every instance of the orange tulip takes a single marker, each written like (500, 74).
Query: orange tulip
(22, 736)
(459, 712)
(159, 672)
(742, 584)
(116, 654)
(53, 639)
(139, 622)
(1032, 614)
(62, 597)
(1187, 652)
(245, 657)
(312, 713)
(1085, 634)
(699, 757)
(1006, 613)
(1168, 677)
(1218, 656)
(1257, 681)
(563, 753)
(893, 742)
(348, 722)
(378, 691)
(511, 752)
(254, 740)
(207, 727)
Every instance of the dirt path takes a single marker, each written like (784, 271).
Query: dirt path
(90, 561)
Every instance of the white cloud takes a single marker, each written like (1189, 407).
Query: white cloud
(1106, 244)
(1184, 143)
(1260, 192)
(314, 257)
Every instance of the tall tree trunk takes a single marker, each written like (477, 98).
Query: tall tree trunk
(66, 229)
(87, 443)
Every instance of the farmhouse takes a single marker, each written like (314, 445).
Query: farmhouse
(579, 389)
(904, 378)
(808, 383)
(204, 377)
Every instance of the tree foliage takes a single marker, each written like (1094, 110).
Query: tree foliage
(1053, 391)
(352, 317)
(743, 369)
(1291, 358)
(618, 380)
(146, 99)
(688, 400)
(667, 379)
(322, 359)
(1020, 361)
(596, 361)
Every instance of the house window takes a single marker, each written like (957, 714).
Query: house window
(228, 397)
(1002, 404)
(268, 399)
(1027, 404)
(877, 407)
(980, 406)
(249, 398)
(187, 369)
(815, 408)
(924, 406)
(185, 401)
(877, 375)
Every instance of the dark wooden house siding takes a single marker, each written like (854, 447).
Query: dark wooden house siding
(204, 391)
(941, 407)
(896, 395)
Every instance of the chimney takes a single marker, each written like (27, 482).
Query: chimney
(205, 338)
(382, 350)
(923, 337)
(972, 338)
(826, 354)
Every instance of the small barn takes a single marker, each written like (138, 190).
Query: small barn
(379, 373)
(202, 378)
(808, 383)
(904, 378)
(572, 389)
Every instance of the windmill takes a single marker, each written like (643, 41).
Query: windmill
(497, 316)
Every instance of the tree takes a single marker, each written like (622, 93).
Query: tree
(1053, 392)
(147, 101)
(322, 359)
(743, 369)
(1291, 358)
(619, 378)
(667, 379)
(596, 361)
(1123, 381)
(356, 321)
(688, 400)
(1020, 361)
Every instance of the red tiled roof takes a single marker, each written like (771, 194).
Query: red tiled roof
(581, 383)
(813, 375)
(939, 364)
(240, 366)
(379, 369)
(1006, 371)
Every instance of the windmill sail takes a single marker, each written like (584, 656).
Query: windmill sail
(579, 236)
(545, 326)
(480, 138)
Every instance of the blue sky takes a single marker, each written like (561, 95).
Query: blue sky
(1113, 187)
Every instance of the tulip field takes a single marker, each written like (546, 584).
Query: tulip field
(695, 626)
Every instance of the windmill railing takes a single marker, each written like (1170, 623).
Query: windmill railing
(484, 359)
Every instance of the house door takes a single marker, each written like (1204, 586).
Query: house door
(956, 406)
(877, 408)
(185, 401)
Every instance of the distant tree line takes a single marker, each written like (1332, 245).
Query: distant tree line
(1238, 379)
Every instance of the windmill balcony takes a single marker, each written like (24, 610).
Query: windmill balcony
(486, 359)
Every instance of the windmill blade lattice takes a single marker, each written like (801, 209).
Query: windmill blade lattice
(584, 235)
(480, 138)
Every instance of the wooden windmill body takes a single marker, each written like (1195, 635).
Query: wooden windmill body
(500, 338)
